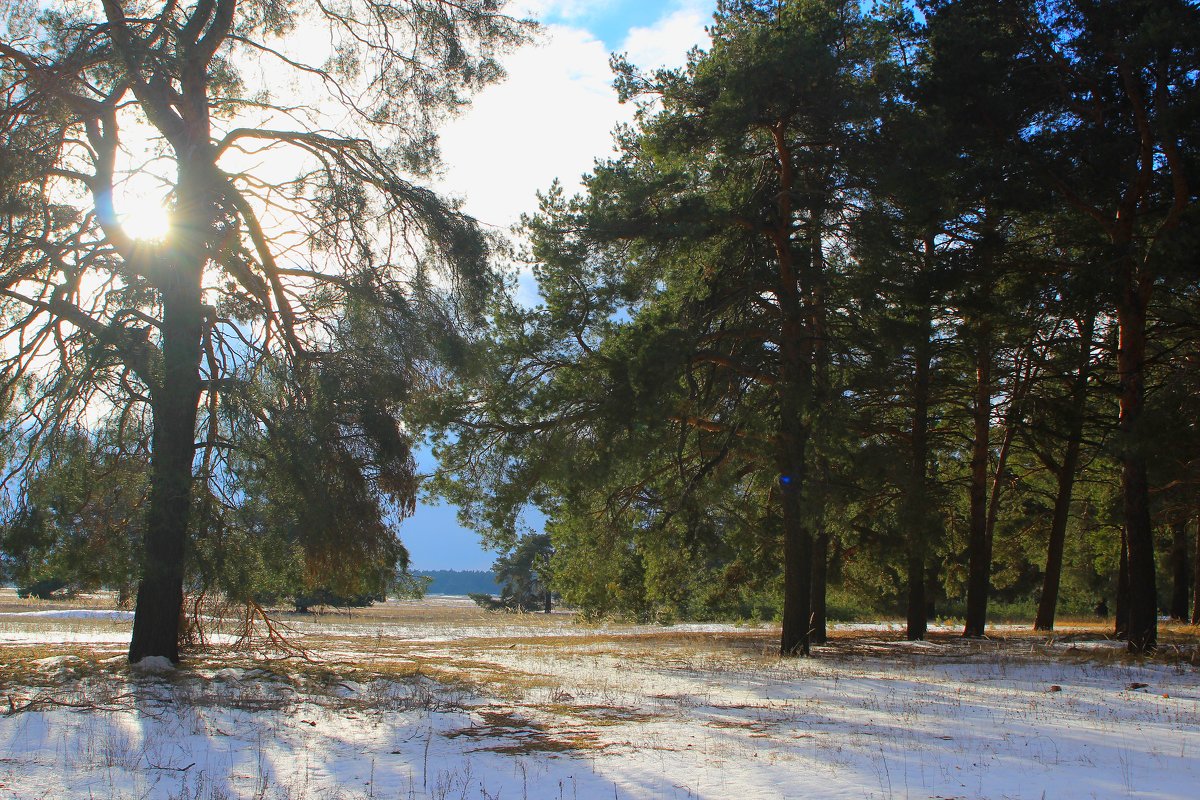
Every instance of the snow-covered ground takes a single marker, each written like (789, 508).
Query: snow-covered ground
(440, 700)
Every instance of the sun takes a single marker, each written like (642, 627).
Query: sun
(144, 217)
(140, 202)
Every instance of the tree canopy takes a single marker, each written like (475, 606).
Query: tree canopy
(307, 288)
(890, 308)
(850, 308)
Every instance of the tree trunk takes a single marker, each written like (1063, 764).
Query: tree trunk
(797, 558)
(1122, 627)
(1065, 478)
(917, 611)
(175, 401)
(933, 590)
(1048, 604)
(794, 387)
(979, 554)
(156, 622)
(795, 391)
(1131, 360)
(1180, 571)
(797, 538)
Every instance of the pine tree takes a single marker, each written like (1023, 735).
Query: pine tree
(286, 211)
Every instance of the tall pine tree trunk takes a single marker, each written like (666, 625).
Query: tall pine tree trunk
(795, 391)
(1065, 480)
(979, 554)
(1135, 486)
(917, 608)
(797, 547)
(175, 401)
(1052, 579)
(156, 621)
(792, 441)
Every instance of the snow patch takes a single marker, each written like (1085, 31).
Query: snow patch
(529, 706)
(1102, 644)
(154, 664)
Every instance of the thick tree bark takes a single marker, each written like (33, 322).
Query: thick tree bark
(1131, 364)
(1065, 479)
(933, 590)
(156, 622)
(1181, 570)
(175, 402)
(794, 387)
(182, 116)
(917, 610)
(797, 551)
(797, 538)
(979, 554)
(795, 391)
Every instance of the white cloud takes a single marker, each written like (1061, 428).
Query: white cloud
(667, 41)
(550, 119)
(554, 114)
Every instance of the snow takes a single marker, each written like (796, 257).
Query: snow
(74, 625)
(438, 701)
(76, 613)
(153, 664)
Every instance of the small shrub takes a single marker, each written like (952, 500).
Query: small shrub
(44, 589)
(486, 601)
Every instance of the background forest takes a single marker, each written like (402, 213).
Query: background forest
(885, 311)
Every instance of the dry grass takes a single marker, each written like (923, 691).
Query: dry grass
(476, 652)
(10, 603)
(507, 731)
(542, 686)
(474, 637)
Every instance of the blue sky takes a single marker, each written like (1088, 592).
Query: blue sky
(611, 21)
(434, 538)
(551, 119)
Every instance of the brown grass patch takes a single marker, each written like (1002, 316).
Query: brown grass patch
(520, 735)
(600, 715)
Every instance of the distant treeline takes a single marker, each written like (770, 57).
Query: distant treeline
(454, 581)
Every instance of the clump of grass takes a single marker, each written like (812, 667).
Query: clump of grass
(520, 735)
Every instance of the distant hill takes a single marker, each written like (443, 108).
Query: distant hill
(456, 581)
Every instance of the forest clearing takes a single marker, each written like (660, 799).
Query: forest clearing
(439, 699)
